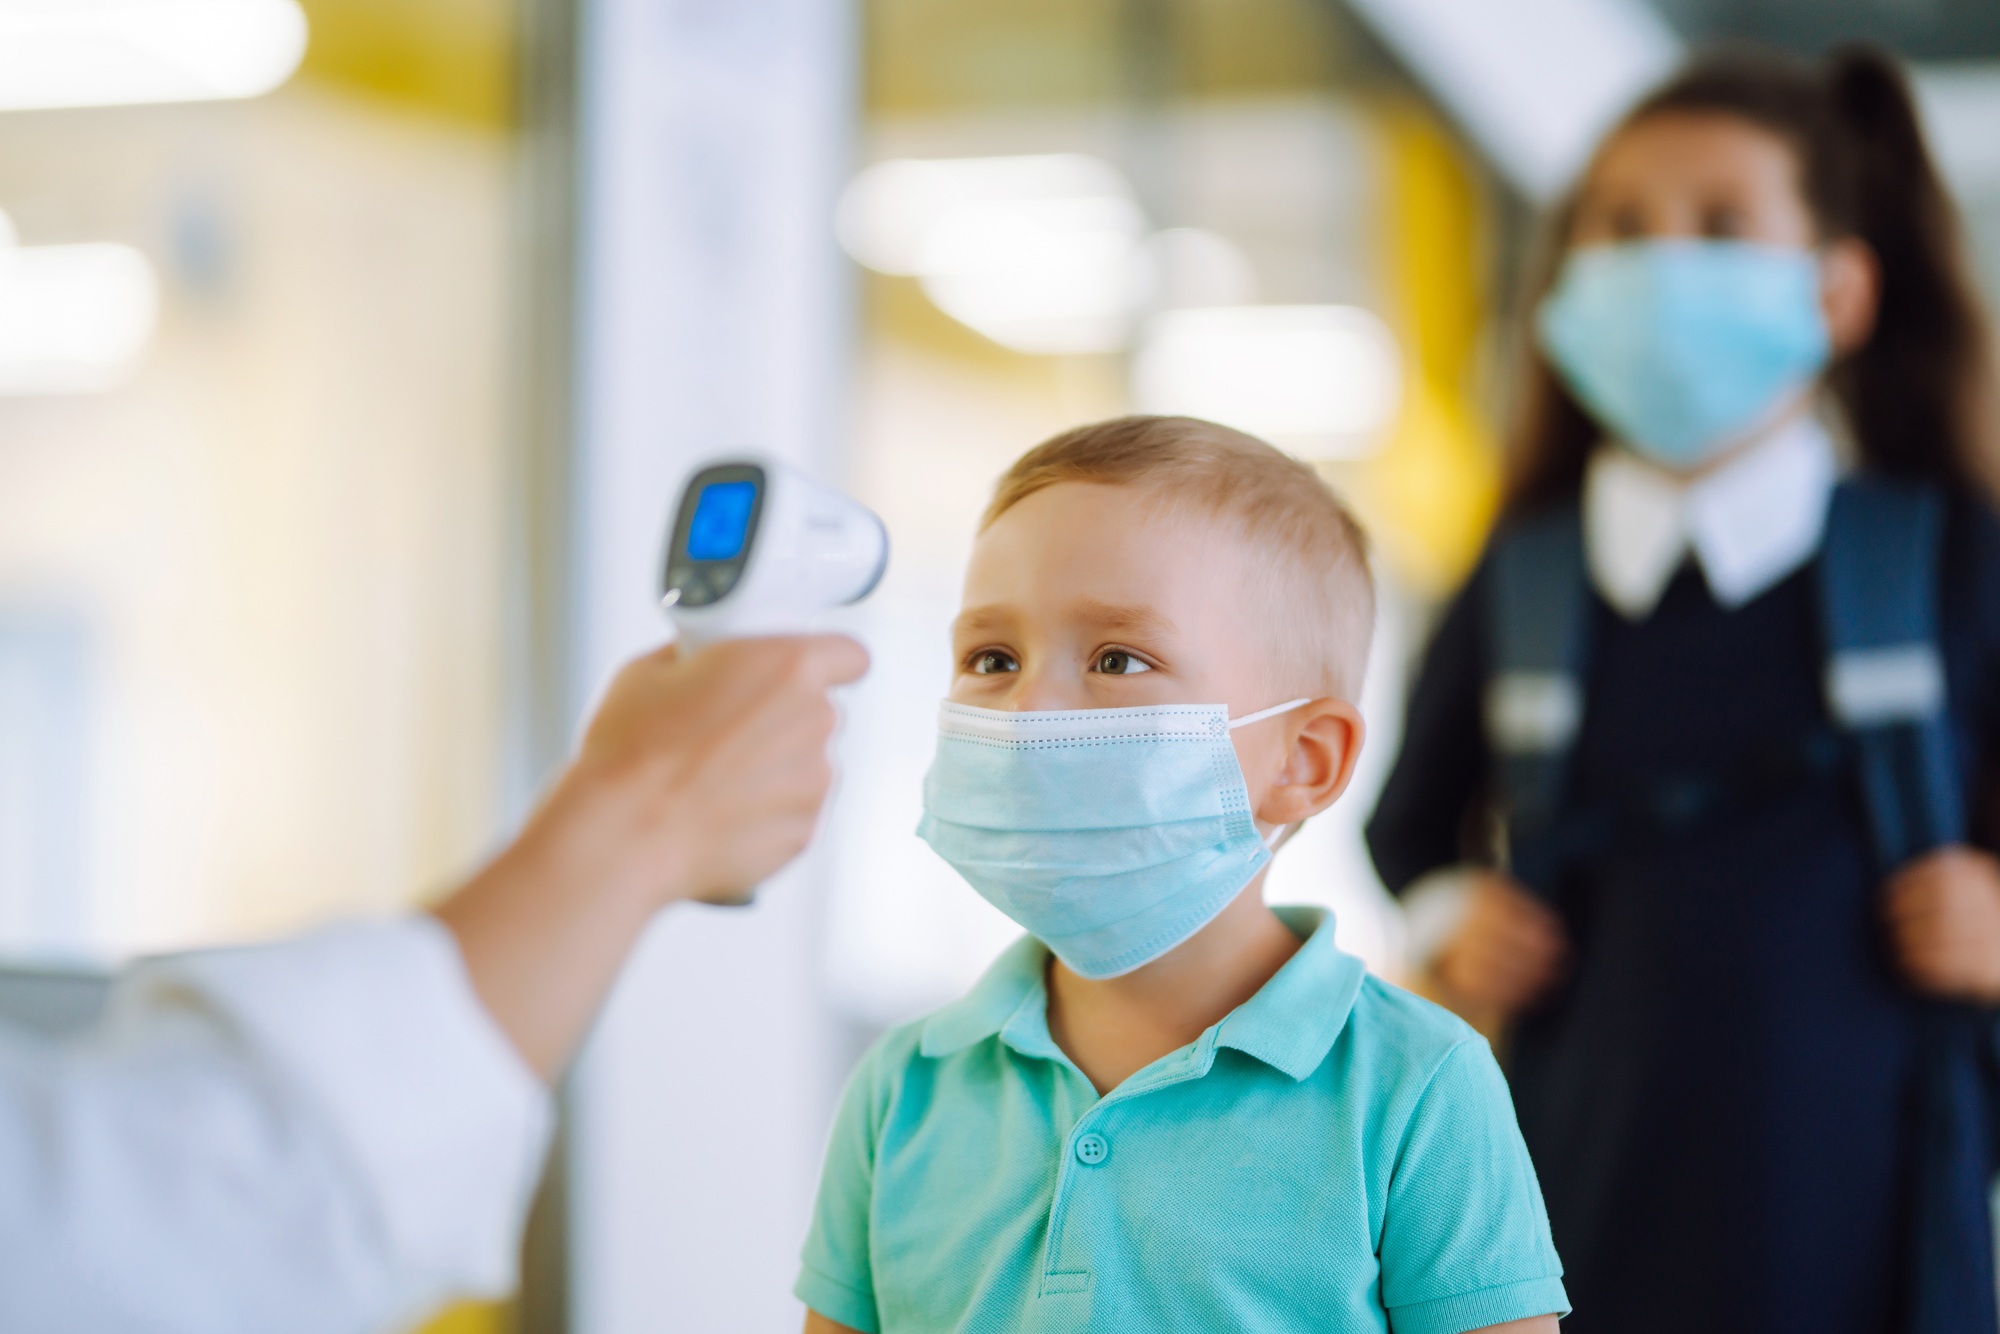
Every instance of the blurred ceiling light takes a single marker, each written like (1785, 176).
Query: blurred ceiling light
(1048, 276)
(1322, 381)
(73, 53)
(1040, 253)
(890, 211)
(73, 318)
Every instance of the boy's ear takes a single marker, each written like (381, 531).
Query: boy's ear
(1324, 750)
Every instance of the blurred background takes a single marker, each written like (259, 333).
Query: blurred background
(352, 353)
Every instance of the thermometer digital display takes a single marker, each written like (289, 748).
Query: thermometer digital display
(758, 548)
(721, 524)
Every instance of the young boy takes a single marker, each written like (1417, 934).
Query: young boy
(1169, 1107)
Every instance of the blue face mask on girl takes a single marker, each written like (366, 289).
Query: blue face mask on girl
(1681, 348)
(1110, 835)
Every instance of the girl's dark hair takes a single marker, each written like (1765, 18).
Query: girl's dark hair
(1916, 393)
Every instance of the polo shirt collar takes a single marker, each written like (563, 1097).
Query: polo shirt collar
(1289, 1025)
(1291, 1022)
(1011, 996)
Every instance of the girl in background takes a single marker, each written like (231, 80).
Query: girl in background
(1716, 1007)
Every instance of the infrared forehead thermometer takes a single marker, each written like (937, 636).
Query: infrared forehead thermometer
(759, 548)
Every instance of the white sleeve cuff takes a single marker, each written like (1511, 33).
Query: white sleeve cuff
(377, 1029)
(1433, 907)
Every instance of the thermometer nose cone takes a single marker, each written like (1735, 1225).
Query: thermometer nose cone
(881, 560)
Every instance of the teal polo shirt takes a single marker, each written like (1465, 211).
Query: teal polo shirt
(1335, 1154)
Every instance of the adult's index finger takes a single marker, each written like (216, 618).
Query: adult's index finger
(835, 659)
(813, 662)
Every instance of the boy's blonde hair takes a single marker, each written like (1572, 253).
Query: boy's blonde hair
(1320, 598)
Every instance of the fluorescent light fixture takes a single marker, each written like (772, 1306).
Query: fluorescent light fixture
(74, 53)
(889, 212)
(1533, 82)
(1322, 381)
(1047, 276)
(1039, 253)
(73, 318)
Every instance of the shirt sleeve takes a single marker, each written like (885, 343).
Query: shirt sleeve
(1465, 1239)
(836, 1278)
(1441, 767)
(327, 1136)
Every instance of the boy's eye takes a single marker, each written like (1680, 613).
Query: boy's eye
(1117, 662)
(991, 661)
(1627, 223)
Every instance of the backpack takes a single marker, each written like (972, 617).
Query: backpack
(1884, 684)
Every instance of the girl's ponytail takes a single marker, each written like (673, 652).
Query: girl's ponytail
(1917, 393)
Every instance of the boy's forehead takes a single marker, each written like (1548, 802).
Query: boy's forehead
(1083, 529)
(1108, 553)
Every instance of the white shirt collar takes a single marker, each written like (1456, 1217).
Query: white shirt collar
(1749, 523)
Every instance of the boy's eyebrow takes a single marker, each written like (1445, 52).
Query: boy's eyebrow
(984, 620)
(997, 618)
(1138, 621)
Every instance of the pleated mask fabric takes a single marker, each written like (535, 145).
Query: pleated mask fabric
(1112, 835)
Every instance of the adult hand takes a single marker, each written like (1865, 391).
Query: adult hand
(696, 779)
(1943, 914)
(709, 772)
(1508, 951)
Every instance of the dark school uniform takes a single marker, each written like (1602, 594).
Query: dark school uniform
(1718, 1098)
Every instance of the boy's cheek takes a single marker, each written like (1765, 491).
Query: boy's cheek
(1262, 761)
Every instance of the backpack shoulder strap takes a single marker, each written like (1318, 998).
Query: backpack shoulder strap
(1879, 577)
(1880, 581)
(1537, 619)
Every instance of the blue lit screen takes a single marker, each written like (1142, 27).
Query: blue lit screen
(721, 521)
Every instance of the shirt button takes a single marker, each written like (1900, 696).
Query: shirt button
(1092, 1150)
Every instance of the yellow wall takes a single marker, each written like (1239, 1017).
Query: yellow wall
(286, 529)
(472, 1318)
(927, 56)
(1431, 493)
(451, 58)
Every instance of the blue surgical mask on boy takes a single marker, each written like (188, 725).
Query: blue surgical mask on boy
(1679, 348)
(1111, 835)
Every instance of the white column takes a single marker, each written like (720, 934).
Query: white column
(713, 316)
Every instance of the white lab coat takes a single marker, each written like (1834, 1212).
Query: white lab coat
(327, 1136)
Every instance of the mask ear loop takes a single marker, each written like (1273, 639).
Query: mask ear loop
(1277, 837)
(1262, 714)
